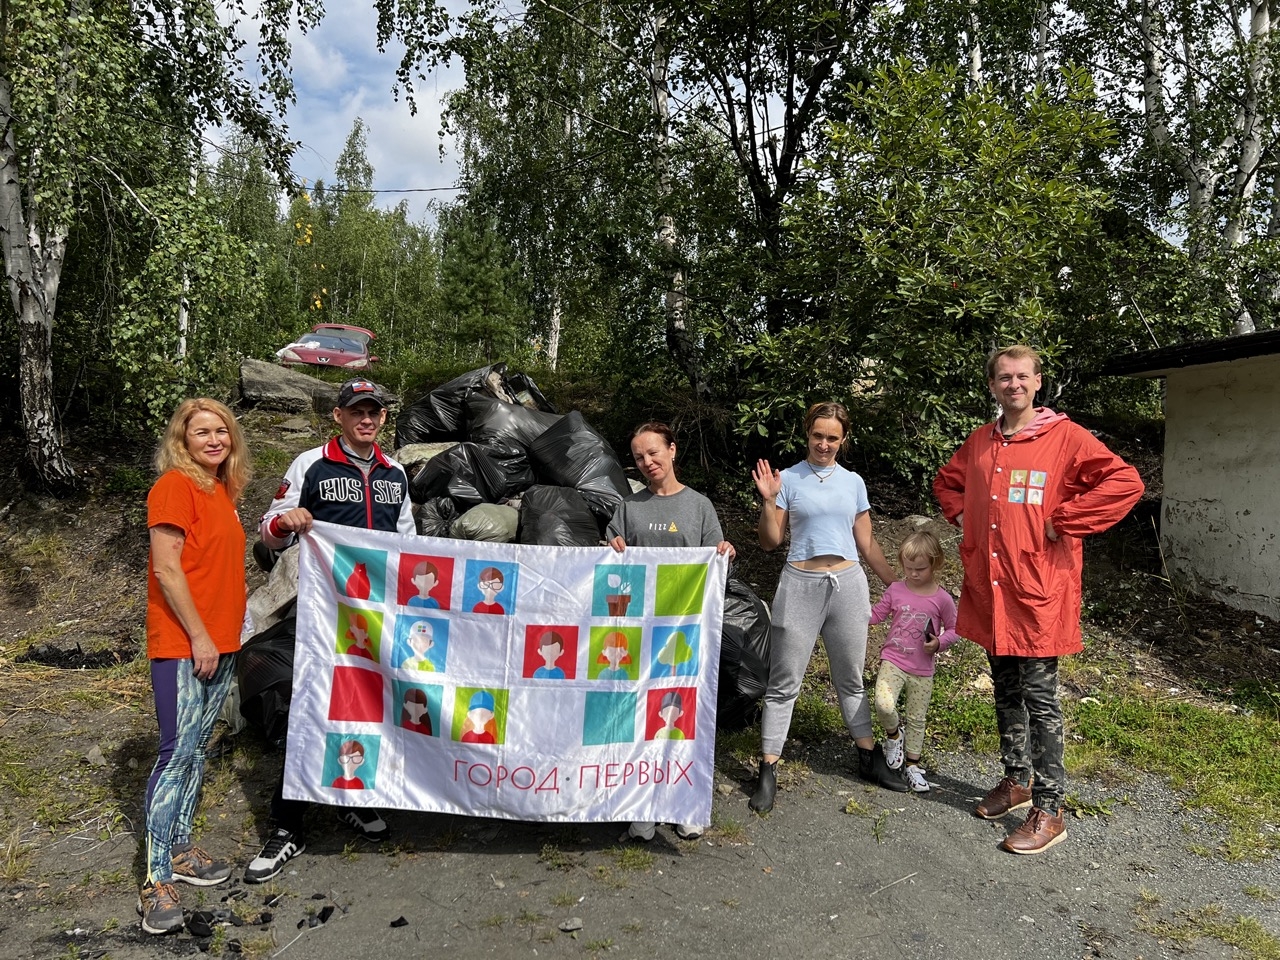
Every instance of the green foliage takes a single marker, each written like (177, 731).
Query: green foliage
(481, 292)
(936, 224)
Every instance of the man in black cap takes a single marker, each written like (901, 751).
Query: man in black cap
(348, 481)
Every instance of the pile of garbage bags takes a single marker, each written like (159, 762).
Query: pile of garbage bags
(490, 458)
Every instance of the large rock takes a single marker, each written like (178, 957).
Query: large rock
(276, 387)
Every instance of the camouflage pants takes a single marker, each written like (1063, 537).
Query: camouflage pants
(1030, 720)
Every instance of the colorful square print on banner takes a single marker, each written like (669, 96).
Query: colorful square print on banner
(680, 589)
(416, 707)
(422, 644)
(609, 718)
(356, 695)
(359, 633)
(490, 587)
(674, 651)
(614, 653)
(360, 573)
(425, 583)
(480, 715)
(351, 761)
(618, 590)
(550, 652)
(670, 714)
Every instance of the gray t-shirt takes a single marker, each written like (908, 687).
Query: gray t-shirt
(684, 519)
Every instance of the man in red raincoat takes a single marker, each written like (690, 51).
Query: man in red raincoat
(1025, 490)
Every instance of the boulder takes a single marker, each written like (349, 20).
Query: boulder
(277, 387)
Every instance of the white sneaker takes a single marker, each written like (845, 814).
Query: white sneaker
(915, 778)
(893, 751)
(641, 830)
(688, 831)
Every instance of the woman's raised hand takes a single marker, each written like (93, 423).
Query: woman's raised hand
(768, 481)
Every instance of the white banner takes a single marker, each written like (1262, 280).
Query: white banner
(505, 680)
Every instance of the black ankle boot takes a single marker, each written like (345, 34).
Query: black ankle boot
(766, 788)
(874, 768)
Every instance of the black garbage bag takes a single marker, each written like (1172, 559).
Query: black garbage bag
(573, 454)
(264, 669)
(465, 473)
(438, 416)
(558, 516)
(527, 393)
(436, 517)
(744, 657)
(513, 463)
(491, 421)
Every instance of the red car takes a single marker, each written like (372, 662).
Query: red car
(331, 345)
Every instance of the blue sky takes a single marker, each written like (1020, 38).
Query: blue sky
(339, 75)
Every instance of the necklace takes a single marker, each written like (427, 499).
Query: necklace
(822, 477)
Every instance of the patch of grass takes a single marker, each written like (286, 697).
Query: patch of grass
(494, 921)
(1229, 762)
(529, 918)
(597, 945)
(1086, 808)
(814, 719)
(633, 858)
(16, 858)
(741, 745)
(268, 461)
(730, 902)
(564, 899)
(1243, 933)
(1260, 893)
(350, 853)
(727, 828)
(632, 927)
(126, 480)
(858, 808)
(555, 858)
(255, 947)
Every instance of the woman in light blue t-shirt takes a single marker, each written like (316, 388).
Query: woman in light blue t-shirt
(822, 590)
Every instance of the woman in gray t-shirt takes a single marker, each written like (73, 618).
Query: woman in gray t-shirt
(665, 514)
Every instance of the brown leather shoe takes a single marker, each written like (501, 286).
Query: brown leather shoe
(1005, 796)
(1038, 833)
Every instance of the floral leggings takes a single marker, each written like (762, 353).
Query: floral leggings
(890, 682)
(186, 708)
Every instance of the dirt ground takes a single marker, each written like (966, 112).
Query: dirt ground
(838, 870)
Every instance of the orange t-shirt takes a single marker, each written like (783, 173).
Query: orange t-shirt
(212, 560)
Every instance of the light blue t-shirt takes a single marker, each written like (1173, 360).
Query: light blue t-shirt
(821, 512)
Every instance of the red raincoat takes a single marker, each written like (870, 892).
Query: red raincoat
(1021, 593)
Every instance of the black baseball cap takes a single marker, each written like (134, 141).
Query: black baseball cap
(353, 391)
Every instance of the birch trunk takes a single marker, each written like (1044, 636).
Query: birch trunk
(676, 301)
(553, 335)
(33, 267)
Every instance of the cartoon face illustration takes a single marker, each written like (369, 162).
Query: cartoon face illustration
(671, 710)
(358, 634)
(550, 647)
(491, 583)
(413, 711)
(424, 579)
(420, 638)
(478, 725)
(615, 651)
(350, 759)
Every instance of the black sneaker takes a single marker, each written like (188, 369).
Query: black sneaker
(366, 822)
(160, 908)
(281, 847)
(192, 865)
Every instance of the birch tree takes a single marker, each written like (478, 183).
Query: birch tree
(77, 77)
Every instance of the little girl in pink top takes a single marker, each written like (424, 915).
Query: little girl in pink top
(924, 623)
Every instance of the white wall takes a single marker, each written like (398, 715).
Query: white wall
(1221, 511)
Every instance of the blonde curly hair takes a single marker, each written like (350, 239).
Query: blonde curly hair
(235, 472)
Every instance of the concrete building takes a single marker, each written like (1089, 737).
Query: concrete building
(1220, 517)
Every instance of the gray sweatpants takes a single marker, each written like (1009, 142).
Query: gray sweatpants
(837, 605)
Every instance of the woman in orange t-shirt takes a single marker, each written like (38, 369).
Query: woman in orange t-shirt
(195, 609)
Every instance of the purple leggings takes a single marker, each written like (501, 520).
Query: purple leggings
(186, 709)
